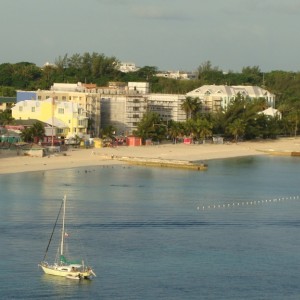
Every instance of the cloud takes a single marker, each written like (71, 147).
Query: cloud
(267, 7)
(287, 7)
(158, 13)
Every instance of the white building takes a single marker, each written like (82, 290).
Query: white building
(177, 75)
(127, 67)
(168, 106)
(138, 87)
(124, 112)
(214, 97)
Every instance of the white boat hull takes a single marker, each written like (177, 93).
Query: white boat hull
(66, 272)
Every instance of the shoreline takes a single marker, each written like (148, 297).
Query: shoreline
(121, 155)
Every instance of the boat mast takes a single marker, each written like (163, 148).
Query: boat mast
(63, 227)
(53, 231)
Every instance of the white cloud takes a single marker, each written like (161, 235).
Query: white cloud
(158, 12)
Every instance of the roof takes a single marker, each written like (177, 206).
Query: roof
(28, 122)
(8, 99)
(271, 112)
(244, 90)
(57, 123)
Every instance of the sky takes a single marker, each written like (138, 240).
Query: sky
(168, 34)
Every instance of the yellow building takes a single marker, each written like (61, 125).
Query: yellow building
(68, 118)
(85, 95)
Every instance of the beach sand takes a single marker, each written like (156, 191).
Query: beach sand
(181, 152)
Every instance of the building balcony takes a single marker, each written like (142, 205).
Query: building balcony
(83, 117)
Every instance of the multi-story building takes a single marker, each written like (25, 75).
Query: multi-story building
(168, 106)
(123, 105)
(85, 95)
(124, 112)
(214, 97)
(113, 112)
(68, 118)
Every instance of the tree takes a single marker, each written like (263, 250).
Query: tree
(38, 130)
(6, 118)
(252, 75)
(191, 106)
(207, 73)
(109, 132)
(176, 129)
(237, 128)
(35, 132)
(151, 127)
(291, 115)
(6, 74)
(204, 128)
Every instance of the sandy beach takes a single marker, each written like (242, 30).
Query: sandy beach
(108, 156)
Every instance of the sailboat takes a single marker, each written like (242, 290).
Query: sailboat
(62, 266)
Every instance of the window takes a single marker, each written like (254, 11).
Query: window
(64, 98)
(136, 108)
(61, 111)
(20, 108)
(33, 109)
(135, 116)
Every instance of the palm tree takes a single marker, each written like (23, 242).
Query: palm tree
(30, 133)
(291, 115)
(6, 118)
(151, 127)
(237, 128)
(26, 135)
(204, 128)
(175, 130)
(191, 106)
(38, 131)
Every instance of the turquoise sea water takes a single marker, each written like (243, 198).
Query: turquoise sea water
(231, 232)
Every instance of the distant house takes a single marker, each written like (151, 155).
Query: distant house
(127, 67)
(271, 112)
(177, 75)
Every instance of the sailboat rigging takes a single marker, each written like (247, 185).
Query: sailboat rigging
(65, 267)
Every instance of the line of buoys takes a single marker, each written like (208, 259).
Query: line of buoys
(245, 203)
